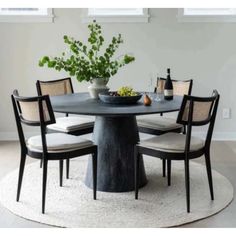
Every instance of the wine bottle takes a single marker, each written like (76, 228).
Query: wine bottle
(168, 89)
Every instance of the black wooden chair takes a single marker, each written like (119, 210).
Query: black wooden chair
(37, 111)
(74, 125)
(195, 111)
(158, 125)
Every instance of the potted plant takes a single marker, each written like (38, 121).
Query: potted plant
(90, 62)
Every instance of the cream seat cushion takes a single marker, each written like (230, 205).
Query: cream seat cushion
(172, 142)
(157, 122)
(72, 123)
(58, 142)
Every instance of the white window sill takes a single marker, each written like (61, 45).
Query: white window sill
(26, 19)
(116, 19)
(204, 18)
(216, 19)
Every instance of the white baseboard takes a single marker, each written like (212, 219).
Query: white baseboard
(218, 136)
(13, 136)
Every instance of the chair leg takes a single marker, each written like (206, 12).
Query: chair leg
(136, 173)
(94, 156)
(45, 169)
(60, 172)
(21, 172)
(67, 168)
(41, 163)
(164, 167)
(187, 184)
(184, 129)
(209, 175)
(169, 172)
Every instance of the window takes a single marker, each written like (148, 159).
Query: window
(116, 15)
(15, 15)
(115, 11)
(207, 15)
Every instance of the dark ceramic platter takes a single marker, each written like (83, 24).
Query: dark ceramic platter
(107, 98)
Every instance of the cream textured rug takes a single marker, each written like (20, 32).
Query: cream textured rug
(73, 205)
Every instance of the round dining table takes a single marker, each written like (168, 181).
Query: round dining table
(116, 134)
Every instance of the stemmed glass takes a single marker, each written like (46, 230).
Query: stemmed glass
(150, 86)
(159, 90)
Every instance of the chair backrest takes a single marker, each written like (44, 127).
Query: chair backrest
(180, 87)
(33, 111)
(54, 87)
(198, 110)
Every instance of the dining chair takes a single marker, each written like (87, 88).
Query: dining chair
(194, 111)
(74, 125)
(158, 124)
(37, 111)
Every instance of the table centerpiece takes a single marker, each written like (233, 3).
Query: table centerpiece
(90, 62)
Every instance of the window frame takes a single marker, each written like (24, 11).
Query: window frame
(34, 18)
(86, 18)
(204, 18)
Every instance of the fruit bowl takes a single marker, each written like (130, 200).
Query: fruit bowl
(106, 97)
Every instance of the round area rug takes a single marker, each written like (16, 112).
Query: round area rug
(73, 206)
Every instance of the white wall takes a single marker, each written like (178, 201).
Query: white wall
(205, 52)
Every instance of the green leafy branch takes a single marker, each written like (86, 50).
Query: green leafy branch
(84, 62)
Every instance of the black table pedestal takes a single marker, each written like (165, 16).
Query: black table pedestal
(115, 137)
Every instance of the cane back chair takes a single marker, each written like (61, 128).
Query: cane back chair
(158, 125)
(194, 111)
(37, 111)
(74, 125)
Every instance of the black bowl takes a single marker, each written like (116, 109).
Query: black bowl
(107, 98)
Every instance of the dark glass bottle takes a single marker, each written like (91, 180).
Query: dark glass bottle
(168, 89)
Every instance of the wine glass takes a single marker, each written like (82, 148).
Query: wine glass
(150, 86)
(159, 90)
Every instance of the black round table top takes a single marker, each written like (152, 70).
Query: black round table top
(81, 103)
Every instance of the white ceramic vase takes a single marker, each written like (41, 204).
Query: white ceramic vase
(97, 86)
